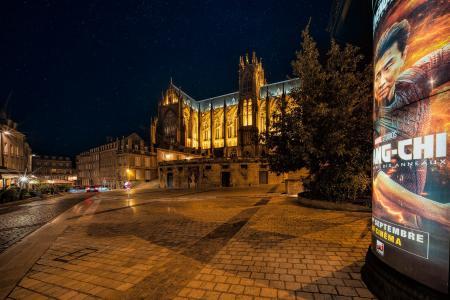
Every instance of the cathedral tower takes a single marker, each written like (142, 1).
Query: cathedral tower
(170, 128)
(251, 78)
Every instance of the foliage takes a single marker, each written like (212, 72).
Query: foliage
(9, 195)
(44, 188)
(326, 127)
(12, 194)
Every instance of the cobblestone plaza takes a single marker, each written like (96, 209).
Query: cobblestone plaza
(219, 244)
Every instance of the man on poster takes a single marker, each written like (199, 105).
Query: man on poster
(402, 111)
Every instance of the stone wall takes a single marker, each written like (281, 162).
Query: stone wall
(203, 173)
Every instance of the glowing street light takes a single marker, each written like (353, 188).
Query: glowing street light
(24, 179)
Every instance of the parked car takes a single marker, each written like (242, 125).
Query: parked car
(103, 189)
(77, 189)
(92, 189)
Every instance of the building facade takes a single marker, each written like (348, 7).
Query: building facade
(224, 130)
(15, 152)
(223, 126)
(53, 169)
(114, 163)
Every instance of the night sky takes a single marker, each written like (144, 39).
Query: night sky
(80, 71)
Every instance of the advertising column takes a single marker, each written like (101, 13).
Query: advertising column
(411, 167)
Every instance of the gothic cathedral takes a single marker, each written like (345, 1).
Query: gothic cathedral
(225, 126)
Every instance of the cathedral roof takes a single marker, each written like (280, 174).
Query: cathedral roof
(229, 99)
(276, 89)
(186, 97)
(272, 90)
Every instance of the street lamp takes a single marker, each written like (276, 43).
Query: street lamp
(23, 180)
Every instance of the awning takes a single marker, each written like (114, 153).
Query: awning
(58, 181)
(6, 173)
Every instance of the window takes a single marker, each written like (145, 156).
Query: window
(217, 132)
(263, 122)
(247, 112)
(170, 126)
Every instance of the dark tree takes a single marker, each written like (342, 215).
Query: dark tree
(326, 124)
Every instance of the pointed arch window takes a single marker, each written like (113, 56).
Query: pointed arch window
(247, 112)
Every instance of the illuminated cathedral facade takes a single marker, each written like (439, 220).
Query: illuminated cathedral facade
(224, 126)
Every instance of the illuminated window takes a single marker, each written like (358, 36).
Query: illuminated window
(170, 126)
(217, 133)
(263, 122)
(218, 130)
(247, 113)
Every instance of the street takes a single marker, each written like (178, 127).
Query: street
(241, 243)
(18, 220)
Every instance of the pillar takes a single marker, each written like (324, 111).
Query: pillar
(409, 253)
(211, 114)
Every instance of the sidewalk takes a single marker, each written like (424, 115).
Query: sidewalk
(232, 244)
(19, 258)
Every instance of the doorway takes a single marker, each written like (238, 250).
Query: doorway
(263, 177)
(170, 180)
(226, 179)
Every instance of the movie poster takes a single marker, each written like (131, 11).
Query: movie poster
(411, 167)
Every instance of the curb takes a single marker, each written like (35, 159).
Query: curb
(29, 200)
(327, 205)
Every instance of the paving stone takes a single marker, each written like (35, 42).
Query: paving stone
(346, 291)
(252, 291)
(304, 296)
(363, 292)
(222, 287)
(323, 297)
(327, 289)
(192, 249)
